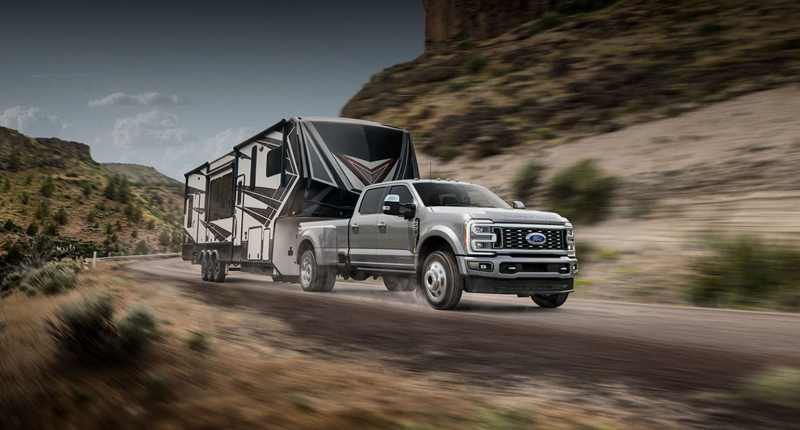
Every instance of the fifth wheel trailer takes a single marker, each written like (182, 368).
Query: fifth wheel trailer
(244, 207)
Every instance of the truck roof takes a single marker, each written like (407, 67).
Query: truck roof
(416, 181)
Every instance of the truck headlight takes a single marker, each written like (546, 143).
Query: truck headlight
(479, 235)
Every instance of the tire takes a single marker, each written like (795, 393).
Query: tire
(315, 278)
(550, 300)
(441, 281)
(204, 268)
(397, 283)
(218, 271)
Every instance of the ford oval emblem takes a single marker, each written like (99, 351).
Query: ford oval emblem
(536, 238)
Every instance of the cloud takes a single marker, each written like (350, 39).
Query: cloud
(225, 140)
(144, 99)
(34, 122)
(150, 129)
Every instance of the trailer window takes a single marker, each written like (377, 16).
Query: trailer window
(273, 162)
(219, 204)
(253, 163)
(189, 211)
(371, 203)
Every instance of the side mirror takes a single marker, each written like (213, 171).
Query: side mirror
(411, 210)
(518, 205)
(391, 205)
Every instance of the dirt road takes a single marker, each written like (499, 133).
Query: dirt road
(497, 340)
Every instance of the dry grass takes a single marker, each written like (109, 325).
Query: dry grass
(257, 374)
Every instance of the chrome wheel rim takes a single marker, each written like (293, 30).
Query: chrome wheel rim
(306, 272)
(435, 281)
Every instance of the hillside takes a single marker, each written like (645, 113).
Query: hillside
(54, 186)
(576, 71)
(138, 174)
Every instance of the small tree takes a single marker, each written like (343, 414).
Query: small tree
(581, 192)
(48, 187)
(118, 226)
(25, 197)
(164, 239)
(61, 217)
(142, 248)
(87, 189)
(90, 218)
(51, 230)
(43, 211)
(33, 228)
(151, 224)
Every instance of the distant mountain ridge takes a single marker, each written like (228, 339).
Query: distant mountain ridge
(140, 174)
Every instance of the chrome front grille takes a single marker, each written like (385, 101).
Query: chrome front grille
(514, 238)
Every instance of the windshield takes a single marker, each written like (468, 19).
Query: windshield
(450, 194)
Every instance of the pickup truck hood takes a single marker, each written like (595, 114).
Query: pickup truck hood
(503, 215)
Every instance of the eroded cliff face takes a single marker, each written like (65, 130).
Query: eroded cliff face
(452, 20)
(20, 152)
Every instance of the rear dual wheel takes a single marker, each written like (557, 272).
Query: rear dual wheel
(315, 278)
(212, 270)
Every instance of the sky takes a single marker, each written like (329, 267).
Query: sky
(172, 84)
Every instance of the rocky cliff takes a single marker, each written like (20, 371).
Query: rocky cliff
(20, 152)
(447, 21)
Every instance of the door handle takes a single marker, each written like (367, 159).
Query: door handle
(354, 226)
(381, 225)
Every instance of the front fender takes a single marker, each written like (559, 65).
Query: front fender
(445, 233)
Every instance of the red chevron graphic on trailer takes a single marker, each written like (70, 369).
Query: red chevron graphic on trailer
(369, 175)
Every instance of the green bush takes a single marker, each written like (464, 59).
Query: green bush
(142, 248)
(53, 278)
(32, 229)
(198, 341)
(43, 211)
(25, 197)
(138, 328)
(48, 187)
(114, 266)
(151, 224)
(11, 281)
(50, 230)
(526, 181)
(746, 272)
(61, 217)
(476, 63)
(10, 226)
(446, 153)
(28, 289)
(777, 385)
(86, 329)
(581, 192)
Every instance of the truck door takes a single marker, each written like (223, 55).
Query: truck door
(395, 243)
(364, 228)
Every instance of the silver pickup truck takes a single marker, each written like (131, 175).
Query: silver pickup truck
(443, 237)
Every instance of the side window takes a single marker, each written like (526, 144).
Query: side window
(404, 194)
(274, 162)
(189, 211)
(219, 199)
(253, 163)
(371, 203)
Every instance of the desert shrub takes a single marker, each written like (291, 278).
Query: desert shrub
(137, 329)
(91, 218)
(476, 63)
(118, 226)
(164, 239)
(777, 385)
(102, 207)
(545, 134)
(151, 224)
(11, 281)
(10, 226)
(86, 329)
(746, 272)
(25, 197)
(134, 233)
(69, 264)
(198, 341)
(572, 7)
(48, 187)
(61, 216)
(581, 192)
(526, 180)
(87, 189)
(142, 248)
(43, 211)
(133, 212)
(50, 229)
(39, 251)
(27, 289)
(446, 153)
(114, 266)
(32, 229)
(53, 278)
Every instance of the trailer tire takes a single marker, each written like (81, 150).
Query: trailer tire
(204, 268)
(550, 300)
(315, 278)
(218, 271)
(399, 283)
(441, 281)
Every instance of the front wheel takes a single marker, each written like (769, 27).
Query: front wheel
(550, 300)
(314, 278)
(441, 280)
(393, 283)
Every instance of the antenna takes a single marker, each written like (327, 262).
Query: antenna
(430, 170)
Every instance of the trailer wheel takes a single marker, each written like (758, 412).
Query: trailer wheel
(397, 283)
(550, 300)
(218, 271)
(441, 281)
(204, 268)
(315, 278)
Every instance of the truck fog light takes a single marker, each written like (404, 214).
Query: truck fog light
(479, 245)
(480, 265)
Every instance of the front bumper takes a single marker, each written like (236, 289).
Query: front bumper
(548, 277)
